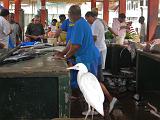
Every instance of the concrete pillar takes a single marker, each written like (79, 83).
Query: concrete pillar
(152, 18)
(17, 10)
(6, 3)
(93, 4)
(106, 10)
(43, 12)
(122, 6)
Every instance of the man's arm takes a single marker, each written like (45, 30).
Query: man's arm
(73, 49)
(95, 38)
(6, 27)
(110, 29)
(33, 36)
(58, 32)
(64, 52)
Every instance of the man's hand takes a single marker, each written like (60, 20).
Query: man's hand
(123, 27)
(59, 55)
(2, 45)
(27, 39)
(34, 37)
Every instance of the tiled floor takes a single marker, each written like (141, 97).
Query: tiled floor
(126, 109)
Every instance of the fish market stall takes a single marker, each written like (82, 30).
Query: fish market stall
(36, 88)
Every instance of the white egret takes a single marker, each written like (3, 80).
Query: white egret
(90, 88)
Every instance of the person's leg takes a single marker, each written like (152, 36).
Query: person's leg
(73, 81)
(106, 92)
(112, 100)
(101, 80)
(103, 57)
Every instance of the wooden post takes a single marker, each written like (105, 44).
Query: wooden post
(43, 14)
(122, 6)
(6, 3)
(106, 10)
(93, 4)
(152, 22)
(17, 10)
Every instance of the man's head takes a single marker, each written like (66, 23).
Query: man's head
(95, 11)
(32, 21)
(90, 17)
(5, 13)
(141, 20)
(74, 13)
(11, 17)
(54, 21)
(36, 19)
(62, 17)
(121, 17)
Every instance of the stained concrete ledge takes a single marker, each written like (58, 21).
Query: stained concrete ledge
(69, 119)
(42, 66)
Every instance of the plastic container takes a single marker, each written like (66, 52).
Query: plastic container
(52, 41)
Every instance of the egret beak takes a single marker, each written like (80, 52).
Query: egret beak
(71, 68)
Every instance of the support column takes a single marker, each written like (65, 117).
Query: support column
(93, 4)
(6, 3)
(17, 10)
(152, 18)
(106, 10)
(122, 6)
(43, 12)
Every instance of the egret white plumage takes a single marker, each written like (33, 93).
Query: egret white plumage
(90, 88)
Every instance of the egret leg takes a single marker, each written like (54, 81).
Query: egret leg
(89, 110)
(92, 112)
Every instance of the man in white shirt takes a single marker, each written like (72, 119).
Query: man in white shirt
(98, 34)
(99, 37)
(119, 26)
(142, 31)
(5, 28)
(16, 35)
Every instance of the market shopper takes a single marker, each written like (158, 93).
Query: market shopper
(81, 44)
(142, 31)
(99, 38)
(68, 26)
(62, 18)
(16, 35)
(106, 27)
(5, 28)
(119, 26)
(35, 30)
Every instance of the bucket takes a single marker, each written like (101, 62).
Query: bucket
(52, 41)
(119, 40)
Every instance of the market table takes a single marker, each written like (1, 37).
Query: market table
(34, 89)
(148, 70)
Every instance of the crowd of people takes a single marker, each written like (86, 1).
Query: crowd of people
(84, 39)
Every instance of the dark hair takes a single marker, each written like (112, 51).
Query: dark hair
(75, 10)
(4, 12)
(95, 11)
(36, 16)
(142, 18)
(122, 15)
(54, 20)
(62, 16)
(11, 13)
(89, 13)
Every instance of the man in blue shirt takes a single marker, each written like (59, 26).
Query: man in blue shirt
(67, 26)
(81, 43)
